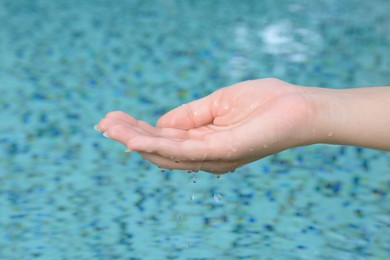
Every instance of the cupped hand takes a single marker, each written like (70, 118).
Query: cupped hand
(227, 129)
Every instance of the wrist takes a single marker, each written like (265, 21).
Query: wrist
(328, 116)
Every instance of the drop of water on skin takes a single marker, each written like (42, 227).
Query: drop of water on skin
(218, 197)
(330, 134)
(233, 149)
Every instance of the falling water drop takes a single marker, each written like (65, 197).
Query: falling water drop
(193, 179)
(192, 197)
(187, 242)
(218, 176)
(218, 197)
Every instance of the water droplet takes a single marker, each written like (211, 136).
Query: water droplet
(193, 179)
(330, 134)
(218, 176)
(192, 197)
(187, 243)
(218, 197)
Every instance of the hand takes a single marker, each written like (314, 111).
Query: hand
(231, 127)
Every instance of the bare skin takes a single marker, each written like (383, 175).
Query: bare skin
(250, 120)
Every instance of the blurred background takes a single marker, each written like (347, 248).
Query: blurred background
(66, 192)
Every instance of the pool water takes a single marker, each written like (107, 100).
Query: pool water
(66, 192)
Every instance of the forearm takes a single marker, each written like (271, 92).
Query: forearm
(359, 116)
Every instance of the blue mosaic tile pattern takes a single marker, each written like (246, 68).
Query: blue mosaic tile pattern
(66, 192)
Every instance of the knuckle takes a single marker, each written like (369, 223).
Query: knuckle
(104, 124)
(114, 130)
(131, 142)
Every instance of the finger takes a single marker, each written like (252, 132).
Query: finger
(123, 134)
(195, 133)
(208, 148)
(122, 116)
(119, 117)
(126, 135)
(214, 146)
(108, 122)
(194, 114)
(131, 120)
(207, 166)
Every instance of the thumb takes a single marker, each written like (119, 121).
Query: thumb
(194, 114)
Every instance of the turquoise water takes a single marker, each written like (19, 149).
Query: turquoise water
(66, 192)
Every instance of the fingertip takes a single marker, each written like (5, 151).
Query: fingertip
(96, 127)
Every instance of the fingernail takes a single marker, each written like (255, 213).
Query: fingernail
(105, 135)
(128, 150)
(96, 127)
